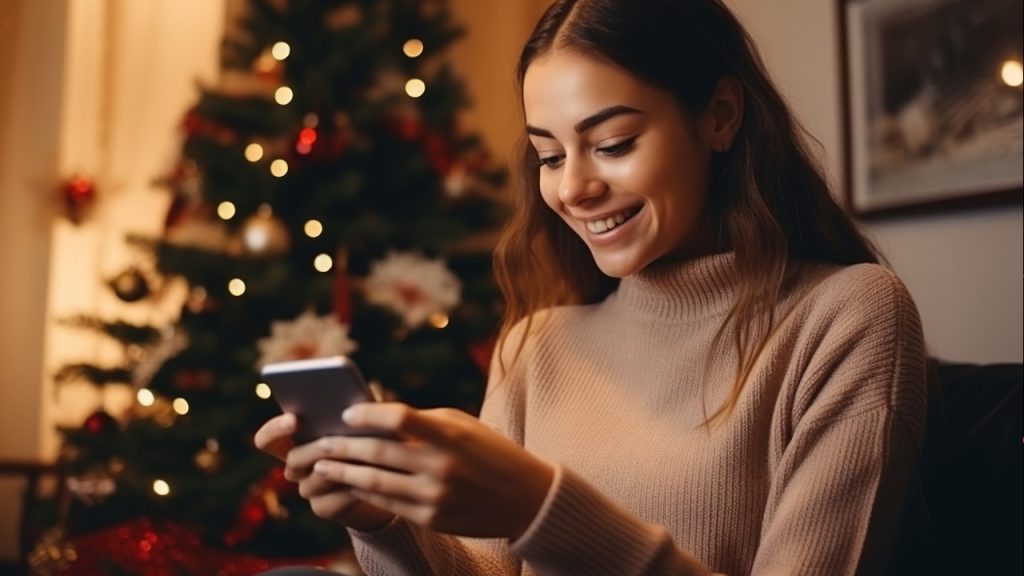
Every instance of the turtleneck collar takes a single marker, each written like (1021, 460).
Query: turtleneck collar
(679, 291)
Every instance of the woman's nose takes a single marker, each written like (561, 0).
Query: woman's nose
(579, 184)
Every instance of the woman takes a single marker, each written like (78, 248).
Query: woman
(704, 368)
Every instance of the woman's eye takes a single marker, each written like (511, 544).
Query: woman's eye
(551, 161)
(618, 149)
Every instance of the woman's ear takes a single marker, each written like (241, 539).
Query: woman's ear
(724, 114)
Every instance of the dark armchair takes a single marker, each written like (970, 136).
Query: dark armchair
(967, 514)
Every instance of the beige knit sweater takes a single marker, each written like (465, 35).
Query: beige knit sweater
(808, 476)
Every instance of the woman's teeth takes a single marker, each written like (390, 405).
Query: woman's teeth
(610, 223)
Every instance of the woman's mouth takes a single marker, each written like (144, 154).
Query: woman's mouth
(612, 222)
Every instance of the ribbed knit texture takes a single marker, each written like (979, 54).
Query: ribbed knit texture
(809, 474)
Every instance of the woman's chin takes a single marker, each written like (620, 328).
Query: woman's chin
(617, 267)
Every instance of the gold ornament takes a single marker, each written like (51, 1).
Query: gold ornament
(263, 235)
(116, 466)
(348, 15)
(53, 554)
(160, 411)
(69, 453)
(130, 285)
(209, 458)
(272, 502)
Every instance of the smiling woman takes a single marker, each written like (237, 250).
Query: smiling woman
(703, 367)
(631, 177)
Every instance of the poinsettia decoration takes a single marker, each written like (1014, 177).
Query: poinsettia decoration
(412, 286)
(307, 336)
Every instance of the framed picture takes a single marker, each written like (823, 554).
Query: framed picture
(934, 109)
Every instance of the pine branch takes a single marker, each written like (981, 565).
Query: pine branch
(118, 330)
(95, 374)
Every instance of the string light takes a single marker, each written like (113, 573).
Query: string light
(254, 152)
(280, 51)
(236, 287)
(1012, 73)
(413, 48)
(313, 228)
(180, 406)
(226, 210)
(415, 87)
(307, 137)
(438, 320)
(161, 488)
(263, 390)
(283, 95)
(323, 263)
(279, 168)
(145, 396)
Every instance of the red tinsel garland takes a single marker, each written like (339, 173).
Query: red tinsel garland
(163, 549)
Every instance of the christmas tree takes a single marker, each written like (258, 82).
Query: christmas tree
(325, 203)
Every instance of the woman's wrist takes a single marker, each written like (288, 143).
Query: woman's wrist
(538, 485)
(367, 518)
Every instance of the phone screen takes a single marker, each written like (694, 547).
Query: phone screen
(317, 391)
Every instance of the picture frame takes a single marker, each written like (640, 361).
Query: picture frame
(933, 105)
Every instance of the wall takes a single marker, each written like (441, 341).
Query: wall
(31, 53)
(98, 87)
(965, 270)
(485, 58)
(131, 73)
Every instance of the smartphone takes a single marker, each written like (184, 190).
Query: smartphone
(317, 391)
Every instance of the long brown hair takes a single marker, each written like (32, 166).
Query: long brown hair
(767, 194)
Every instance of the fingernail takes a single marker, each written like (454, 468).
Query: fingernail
(349, 415)
(288, 424)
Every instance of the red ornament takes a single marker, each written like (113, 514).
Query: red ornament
(78, 195)
(100, 423)
(406, 128)
(324, 146)
(254, 511)
(195, 124)
(275, 480)
(342, 296)
(481, 353)
(439, 151)
(194, 379)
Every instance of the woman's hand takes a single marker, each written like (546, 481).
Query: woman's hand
(328, 499)
(449, 472)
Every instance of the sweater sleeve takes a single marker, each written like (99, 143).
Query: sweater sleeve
(404, 549)
(579, 531)
(839, 489)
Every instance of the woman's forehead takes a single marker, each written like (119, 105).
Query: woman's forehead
(566, 86)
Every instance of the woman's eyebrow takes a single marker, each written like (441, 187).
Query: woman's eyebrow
(588, 122)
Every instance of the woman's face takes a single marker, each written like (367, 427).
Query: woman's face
(619, 162)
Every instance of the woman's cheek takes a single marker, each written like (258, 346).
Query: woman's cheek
(549, 189)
